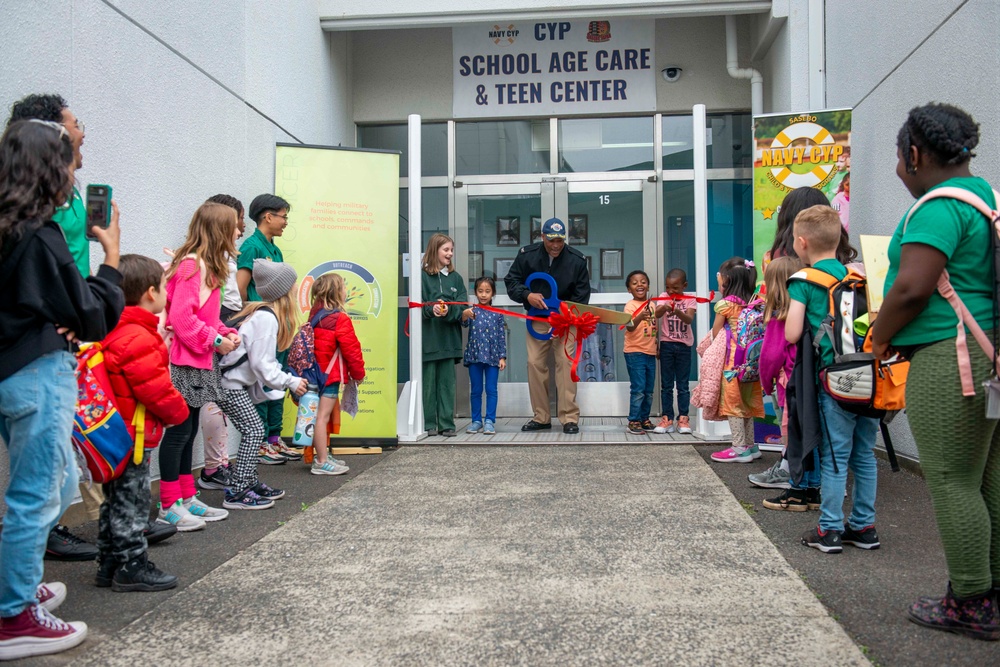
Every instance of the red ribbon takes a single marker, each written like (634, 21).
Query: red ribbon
(561, 322)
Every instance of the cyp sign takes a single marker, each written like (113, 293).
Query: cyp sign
(553, 68)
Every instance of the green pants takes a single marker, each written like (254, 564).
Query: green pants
(272, 413)
(439, 395)
(960, 457)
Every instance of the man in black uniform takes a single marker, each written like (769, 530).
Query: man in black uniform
(569, 269)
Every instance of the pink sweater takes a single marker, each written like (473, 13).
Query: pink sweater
(193, 314)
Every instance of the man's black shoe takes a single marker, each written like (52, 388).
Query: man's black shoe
(157, 532)
(106, 566)
(139, 574)
(535, 426)
(571, 427)
(64, 545)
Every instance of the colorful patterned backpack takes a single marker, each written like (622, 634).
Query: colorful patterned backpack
(749, 341)
(100, 434)
(302, 353)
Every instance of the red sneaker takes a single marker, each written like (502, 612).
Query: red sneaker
(37, 632)
(51, 595)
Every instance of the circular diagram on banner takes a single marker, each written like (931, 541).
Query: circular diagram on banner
(813, 132)
(364, 296)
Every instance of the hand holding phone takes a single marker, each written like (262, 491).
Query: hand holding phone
(98, 208)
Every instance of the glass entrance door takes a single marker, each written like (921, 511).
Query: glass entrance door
(611, 222)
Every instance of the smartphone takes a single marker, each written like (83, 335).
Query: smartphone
(98, 207)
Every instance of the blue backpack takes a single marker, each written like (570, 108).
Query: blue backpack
(302, 353)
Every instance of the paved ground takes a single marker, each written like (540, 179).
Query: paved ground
(458, 555)
(869, 591)
(531, 555)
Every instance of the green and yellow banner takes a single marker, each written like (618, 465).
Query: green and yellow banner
(344, 219)
(795, 150)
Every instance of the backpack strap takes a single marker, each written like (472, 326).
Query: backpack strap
(947, 291)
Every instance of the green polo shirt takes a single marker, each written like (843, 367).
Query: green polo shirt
(72, 218)
(963, 234)
(257, 246)
(817, 302)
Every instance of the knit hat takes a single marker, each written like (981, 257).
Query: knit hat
(273, 280)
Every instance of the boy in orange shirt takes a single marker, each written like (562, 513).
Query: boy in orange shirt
(640, 353)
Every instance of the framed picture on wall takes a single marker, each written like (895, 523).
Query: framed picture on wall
(577, 229)
(475, 265)
(536, 229)
(612, 263)
(589, 271)
(501, 265)
(508, 231)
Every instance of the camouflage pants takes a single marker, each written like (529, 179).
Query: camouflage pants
(125, 513)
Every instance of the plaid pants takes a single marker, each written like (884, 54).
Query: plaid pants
(237, 406)
(125, 513)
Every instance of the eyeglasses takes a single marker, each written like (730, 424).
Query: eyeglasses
(283, 217)
(80, 126)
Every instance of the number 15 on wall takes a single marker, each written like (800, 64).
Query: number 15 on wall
(604, 199)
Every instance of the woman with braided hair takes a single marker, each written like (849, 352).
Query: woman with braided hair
(959, 447)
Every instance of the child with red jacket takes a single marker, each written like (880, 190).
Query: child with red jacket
(135, 357)
(332, 332)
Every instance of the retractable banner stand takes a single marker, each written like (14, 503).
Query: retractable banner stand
(344, 219)
(794, 150)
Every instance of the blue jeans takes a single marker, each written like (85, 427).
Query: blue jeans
(675, 365)
(642, 378)
(476, 374)
(848, 443)
(36, 421)
(811, 478)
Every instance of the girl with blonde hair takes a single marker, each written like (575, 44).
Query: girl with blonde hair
(194, 281)
(333, 331)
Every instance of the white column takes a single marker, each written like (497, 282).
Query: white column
(703, 271)
(410, 407)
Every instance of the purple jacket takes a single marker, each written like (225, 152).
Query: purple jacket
(775, 353)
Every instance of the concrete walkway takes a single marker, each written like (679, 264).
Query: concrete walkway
(535, 556)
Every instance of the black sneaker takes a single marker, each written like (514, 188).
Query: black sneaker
(245, 500)
(157, 532)
(139, 574)
(64, 545)
(828, 542)
(106, 567)
(535, 426)
(571, 428)
(648, 426)
(264, 491)
(866, 538)
(217, 480)
(634, 428)
(790, 500)
(814, 498)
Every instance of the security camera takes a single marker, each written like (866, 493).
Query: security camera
(671, 73)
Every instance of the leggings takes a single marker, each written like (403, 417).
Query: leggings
(176, 447)
(240, 410)
(215, 435)
(960, 457)
(742, 428)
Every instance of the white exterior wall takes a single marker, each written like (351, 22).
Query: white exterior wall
(163, 134)
(957, 64)
(399, 72)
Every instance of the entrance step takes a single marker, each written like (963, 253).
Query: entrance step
(593, 431)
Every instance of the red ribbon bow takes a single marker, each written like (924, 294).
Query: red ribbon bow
(585, 323)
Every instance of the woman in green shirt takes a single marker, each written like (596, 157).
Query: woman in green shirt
(959, 448)
(442, 334)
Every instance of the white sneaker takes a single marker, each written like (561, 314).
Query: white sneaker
(328, 467)
(203, 511)
(178, 515)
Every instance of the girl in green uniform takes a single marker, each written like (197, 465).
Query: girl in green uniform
(442, 333)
